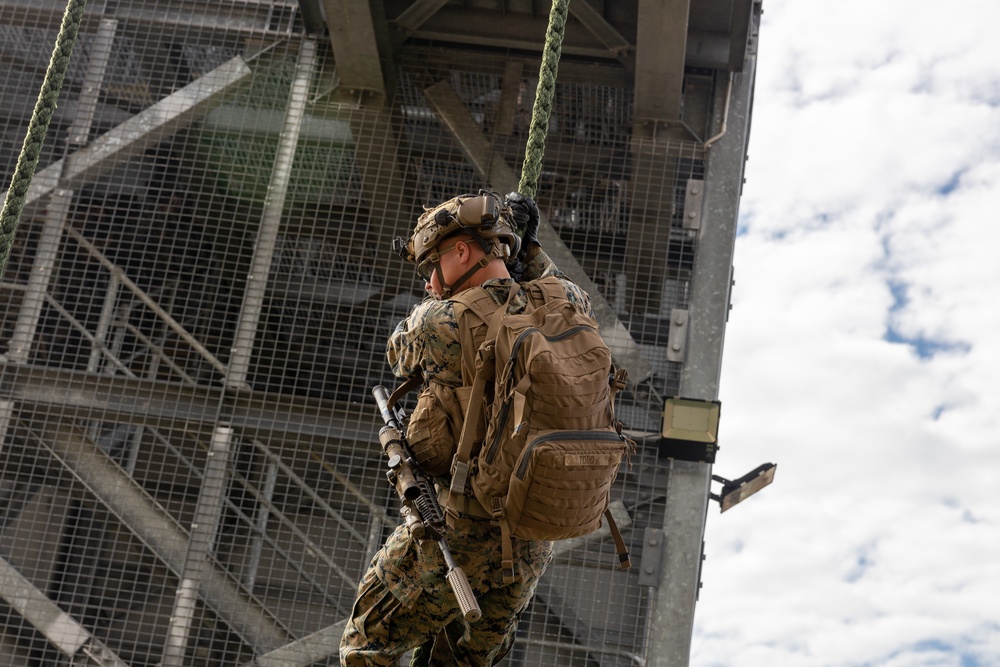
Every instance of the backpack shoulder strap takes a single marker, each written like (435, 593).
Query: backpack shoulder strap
(473, 310)
(484, 372)
(475, 299)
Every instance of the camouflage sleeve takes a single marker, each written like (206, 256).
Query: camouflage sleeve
(578, 297)
(539, 266)
(427, 341)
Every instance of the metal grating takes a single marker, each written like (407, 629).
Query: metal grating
(192, 323)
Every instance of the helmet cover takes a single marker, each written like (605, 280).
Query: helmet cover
(482, 216)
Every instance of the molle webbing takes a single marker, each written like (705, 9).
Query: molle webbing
(544, 384)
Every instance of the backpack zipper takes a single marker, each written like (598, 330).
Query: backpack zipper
(522, 466)
(515, 349)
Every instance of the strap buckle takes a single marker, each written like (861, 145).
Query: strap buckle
(459, 476)
(620, 380)
(507, 566)
(496, 507)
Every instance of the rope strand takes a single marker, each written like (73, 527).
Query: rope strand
(31, 150)
(544, 96)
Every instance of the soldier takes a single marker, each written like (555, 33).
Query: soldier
(467, 243)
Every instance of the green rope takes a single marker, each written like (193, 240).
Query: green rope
(27, 161)
(544, 95)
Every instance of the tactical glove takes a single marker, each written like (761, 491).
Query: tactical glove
(525, 214)
(515, 267)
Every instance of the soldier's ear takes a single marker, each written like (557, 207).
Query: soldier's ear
(464, 250)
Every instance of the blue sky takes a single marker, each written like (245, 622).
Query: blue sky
(862, 353)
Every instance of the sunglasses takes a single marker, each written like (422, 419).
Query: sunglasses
(426, 267)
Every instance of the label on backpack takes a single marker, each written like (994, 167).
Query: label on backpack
(590, 460)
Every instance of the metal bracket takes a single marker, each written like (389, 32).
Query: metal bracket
(677, 338)
(652, 555)
(692, 203)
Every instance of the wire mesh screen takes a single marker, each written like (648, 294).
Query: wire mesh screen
(195, 310)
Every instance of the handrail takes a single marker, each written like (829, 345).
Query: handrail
(157, 350)
(176, 326)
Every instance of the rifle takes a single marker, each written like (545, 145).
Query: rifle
(421, 510)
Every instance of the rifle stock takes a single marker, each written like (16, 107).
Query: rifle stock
(421, 510)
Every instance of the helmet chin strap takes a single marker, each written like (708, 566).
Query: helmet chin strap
(446, 289)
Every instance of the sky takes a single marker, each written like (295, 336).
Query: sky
(862, 353)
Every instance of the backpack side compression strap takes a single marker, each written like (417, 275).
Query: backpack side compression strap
(620, 548)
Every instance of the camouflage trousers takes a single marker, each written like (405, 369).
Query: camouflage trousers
(404, 600)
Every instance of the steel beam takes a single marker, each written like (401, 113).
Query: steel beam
(656, 168)
(417, 13)
(355, 48)
(246, 19)
(392, 203)
(271, 417)
(97, 65)
(204, 527)
(139, 132)
(740, 26)
(46, 257)
(592, 20)
(270, 223)
(688, 490)
(59, 628)
(659, 69)
(43, 267)
(316, 647)
(494, 170)
(592, 72)
(710, 50)
(510, 90)
(112, 487)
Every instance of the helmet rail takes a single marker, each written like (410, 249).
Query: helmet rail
(484, 217)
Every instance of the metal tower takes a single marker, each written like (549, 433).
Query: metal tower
(200, 288)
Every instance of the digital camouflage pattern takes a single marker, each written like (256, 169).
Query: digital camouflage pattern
(403, 600)
(428, 340)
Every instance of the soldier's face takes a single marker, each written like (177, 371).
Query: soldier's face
(444, 266)
(451, 266)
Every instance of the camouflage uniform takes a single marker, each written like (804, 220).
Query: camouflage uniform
(404, 600)
(428, 340)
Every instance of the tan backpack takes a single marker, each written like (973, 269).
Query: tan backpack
(544, 387)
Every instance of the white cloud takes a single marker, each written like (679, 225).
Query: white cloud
(861, 354)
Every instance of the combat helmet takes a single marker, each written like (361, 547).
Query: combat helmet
(484, 217)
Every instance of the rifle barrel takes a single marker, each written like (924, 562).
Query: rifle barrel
(381, 395)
